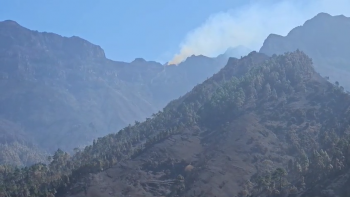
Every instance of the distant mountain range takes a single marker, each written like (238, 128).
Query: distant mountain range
(62, 92)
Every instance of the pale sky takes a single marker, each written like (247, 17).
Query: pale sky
(160, 29)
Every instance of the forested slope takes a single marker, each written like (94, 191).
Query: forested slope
(261, 126)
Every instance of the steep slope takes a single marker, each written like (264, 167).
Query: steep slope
(280, 129)
(63, 92)
(325, 38)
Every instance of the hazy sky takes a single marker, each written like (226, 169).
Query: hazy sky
(160, 29)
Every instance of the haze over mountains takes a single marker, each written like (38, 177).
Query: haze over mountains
(325, 39)
(263, 125)
(61, 92)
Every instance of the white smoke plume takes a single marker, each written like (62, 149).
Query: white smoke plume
(251, 24)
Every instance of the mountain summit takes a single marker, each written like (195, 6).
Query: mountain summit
(325, 39)
(18, 39)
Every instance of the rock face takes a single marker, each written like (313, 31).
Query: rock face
(63, 92)
(325, 38)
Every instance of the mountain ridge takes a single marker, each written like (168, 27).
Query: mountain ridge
(260, 126)
(324, 38)
(64, 92)
(12, 27)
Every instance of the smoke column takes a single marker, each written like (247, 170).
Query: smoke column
(251, 24)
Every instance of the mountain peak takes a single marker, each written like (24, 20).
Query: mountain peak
(318, 19)
(144, 63)
(322, 18)
(139, 60)
(9, 22)
(195, 57)
(11, 25)
(26, 41)
(325, 38)
(323, 15)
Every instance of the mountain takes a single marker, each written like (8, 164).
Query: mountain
(62, 92)
(237, 52)
(325, 39)
(262, 126)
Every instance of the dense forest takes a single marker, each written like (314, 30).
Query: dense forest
(315, 140)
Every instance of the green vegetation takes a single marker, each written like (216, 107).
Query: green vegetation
(211, 105)
(65, 95)
(19, 154)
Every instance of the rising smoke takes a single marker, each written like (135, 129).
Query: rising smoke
(251, 24)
